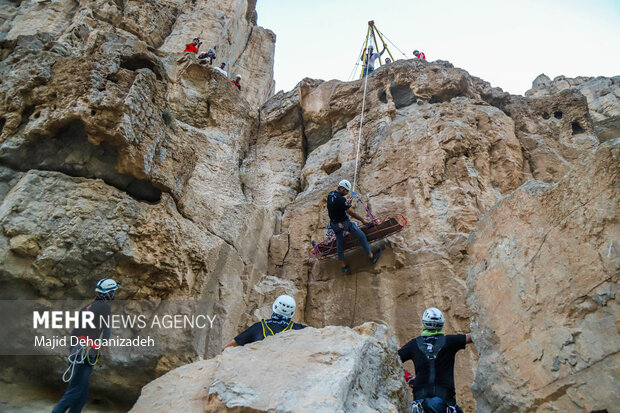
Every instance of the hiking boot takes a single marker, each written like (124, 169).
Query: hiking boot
(376, 256)
(346, 269)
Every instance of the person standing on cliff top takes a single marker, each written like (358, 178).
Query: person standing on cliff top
(433, 355)
(85, 355)
(221, 69)
(339, 210)
(370, 59)
(193, 46)
(419, 55)
(283, 311)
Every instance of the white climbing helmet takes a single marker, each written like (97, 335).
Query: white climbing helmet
(432, 319)
(345, 184)
(371, 47)
(285, 306)
(106, 285)
(238, 76)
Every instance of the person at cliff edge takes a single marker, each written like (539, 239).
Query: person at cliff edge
(419, 55)
(193, 47)
(283, 311)
(221, 69)
(237, 81)
(370, 58)
(339, 209)
(433, 355)
(208, 57)
(84, 356)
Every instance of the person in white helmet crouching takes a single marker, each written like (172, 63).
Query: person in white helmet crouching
(433, 355)
(339, 210)
(281, 320)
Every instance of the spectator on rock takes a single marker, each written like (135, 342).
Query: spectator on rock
(221, 69)
(280, 321)
(433, 355)
(388, 60)
(193, 46)
(419, 55)
(237, 81)
(208, 57)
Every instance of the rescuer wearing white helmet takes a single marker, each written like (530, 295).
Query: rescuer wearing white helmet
(433, 355)
(237, 81)
(339, 210)
(85, 355)
(283, 311)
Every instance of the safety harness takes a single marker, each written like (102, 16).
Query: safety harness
(430, 351)
(267, 328)
(79, 355)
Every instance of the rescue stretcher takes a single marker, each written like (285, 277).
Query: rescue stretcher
(375, 230)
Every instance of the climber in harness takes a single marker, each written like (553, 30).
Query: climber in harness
(280, 321)
(433, 355)
(339, 210)
(84, 356)
(370, 59)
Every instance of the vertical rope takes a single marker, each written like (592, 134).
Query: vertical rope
(359, 135)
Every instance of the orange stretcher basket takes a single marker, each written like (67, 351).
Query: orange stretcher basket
(375, 231)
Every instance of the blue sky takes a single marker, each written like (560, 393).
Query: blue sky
(507, 43)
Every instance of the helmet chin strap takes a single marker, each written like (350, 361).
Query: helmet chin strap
(105, 296)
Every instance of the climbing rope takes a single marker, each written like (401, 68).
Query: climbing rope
(359, 135)
(389, 41)
(368, 212)
(357, 61)
(79, 357)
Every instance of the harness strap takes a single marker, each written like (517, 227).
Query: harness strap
(433, 391)
(264, 324)
(431, 351)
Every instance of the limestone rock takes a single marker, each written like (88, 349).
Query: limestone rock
(440, 164)
(602, 94)
(229, 27)
(117, 161)
(541, 81)
(120, 155)
(555, 131)
(543, 268)
(334, 369)
(167, 25)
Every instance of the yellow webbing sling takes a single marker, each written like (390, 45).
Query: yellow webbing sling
(264, 324)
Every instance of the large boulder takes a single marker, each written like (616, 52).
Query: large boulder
(334, 369)
(543, 274)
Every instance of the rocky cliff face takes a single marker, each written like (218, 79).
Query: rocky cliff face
(543, 284)
(118, 158)
(601, 93)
